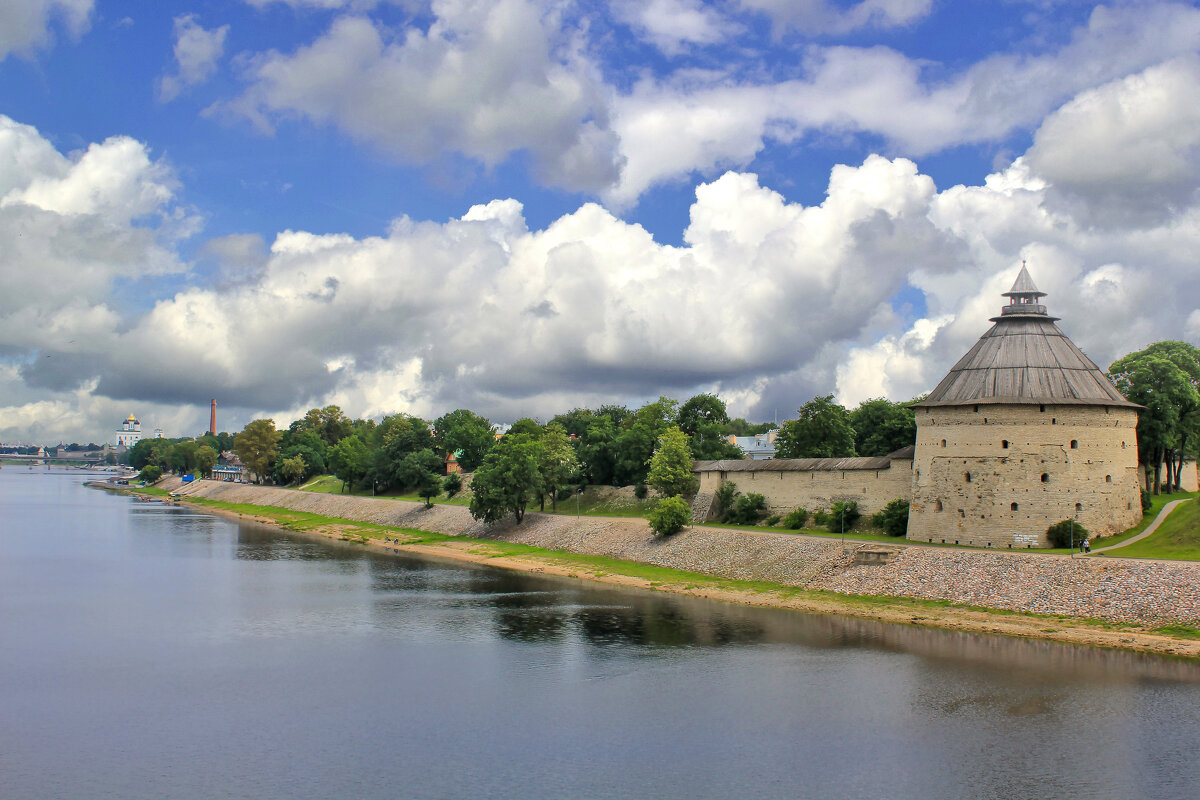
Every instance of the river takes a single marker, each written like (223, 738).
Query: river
(152, 651)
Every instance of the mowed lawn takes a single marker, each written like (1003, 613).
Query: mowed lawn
(1177, 538)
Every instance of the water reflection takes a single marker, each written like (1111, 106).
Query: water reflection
(183, 655)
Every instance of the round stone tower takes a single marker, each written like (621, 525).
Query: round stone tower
(1023, 432)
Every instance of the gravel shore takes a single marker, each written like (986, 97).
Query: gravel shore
(1130, 590)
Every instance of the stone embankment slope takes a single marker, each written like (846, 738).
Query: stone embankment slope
(1128, 590)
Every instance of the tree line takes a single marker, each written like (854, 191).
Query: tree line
(1165, 379)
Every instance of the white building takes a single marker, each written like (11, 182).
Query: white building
(129, 433)
(756, 448)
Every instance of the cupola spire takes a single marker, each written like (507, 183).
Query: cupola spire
(1024, 297)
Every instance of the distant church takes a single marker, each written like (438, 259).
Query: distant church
(1023, 432)
(130, 433)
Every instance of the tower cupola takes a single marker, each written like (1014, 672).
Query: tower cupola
(1024, 298)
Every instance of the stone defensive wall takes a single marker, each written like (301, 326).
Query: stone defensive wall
(994, 475)
(1117, 589)
(815, 483)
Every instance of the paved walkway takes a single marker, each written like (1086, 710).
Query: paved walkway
(1151, 528)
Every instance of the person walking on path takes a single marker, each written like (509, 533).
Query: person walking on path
(1087, 546)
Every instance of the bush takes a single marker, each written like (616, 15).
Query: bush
(564, 493)
(820, 518)
(795, 519)
(724, 498)
(748, 509)
(893, 518)
(452, 484)
(772, 520)
(1062, 534)
(1146, 499)
(669, 516)
(640, 491)
(150, 473)
(842, 516)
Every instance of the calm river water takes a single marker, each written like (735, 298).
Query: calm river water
(149, 651)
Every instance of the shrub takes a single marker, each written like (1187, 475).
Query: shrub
(724, 498)
(795, 519)
(772, 520)
(640, 491)
(893, 518)
(150, 473)
(1146, 499)
(565, 492)
(842, 516)
(748, 509)
(820, 518)
(452, 484)
(1062, 534)
(669, 516)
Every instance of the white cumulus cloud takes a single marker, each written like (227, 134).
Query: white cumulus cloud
(486, 80)
(197, 52)
(26, 25)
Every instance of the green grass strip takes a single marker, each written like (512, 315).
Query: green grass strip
(658, 577)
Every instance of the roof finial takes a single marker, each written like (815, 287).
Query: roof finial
(1023, 286)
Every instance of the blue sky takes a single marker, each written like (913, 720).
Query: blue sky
(521, 206)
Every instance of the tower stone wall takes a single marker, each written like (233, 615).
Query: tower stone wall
(998, 475)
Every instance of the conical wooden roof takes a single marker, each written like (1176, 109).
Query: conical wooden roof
(1025, 359)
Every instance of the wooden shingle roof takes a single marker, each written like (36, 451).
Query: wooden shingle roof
(1025, 359)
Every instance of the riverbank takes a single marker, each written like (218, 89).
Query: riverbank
(1135, 605)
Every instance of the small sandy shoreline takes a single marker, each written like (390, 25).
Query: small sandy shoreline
(883, 609)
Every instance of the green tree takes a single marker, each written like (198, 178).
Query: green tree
(576, 421)
(842, 516)
(740, 427)
(525, 427)
(822, 431)
(1067, 533)
(292, 470)
(452, 484)
(597, 451)
(421, 472)
(206, 459)
(507, 480)
(669, 516)
(882, 427)
(305, 444)
(181, 456)
(671, 466)
(1152, 378)
(556, 461)
(892, 519)
(330, 423)
(635, 445)
(257, 446)
(350, 459)
(702, 410)
(150, 473)
(465, 433)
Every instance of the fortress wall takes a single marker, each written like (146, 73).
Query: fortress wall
(816, 490)
(966, 481)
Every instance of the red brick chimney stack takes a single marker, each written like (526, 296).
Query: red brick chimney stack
(212, 418)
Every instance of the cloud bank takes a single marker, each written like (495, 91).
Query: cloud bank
(766, 302)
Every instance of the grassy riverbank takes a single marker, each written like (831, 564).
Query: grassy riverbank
(1178, 538)
(1173, 639)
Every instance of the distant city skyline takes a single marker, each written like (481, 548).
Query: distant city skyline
(522, 206)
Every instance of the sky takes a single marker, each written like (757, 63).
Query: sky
(524, 206)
